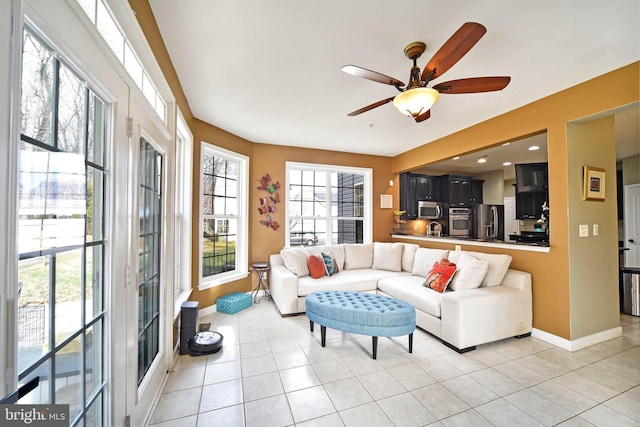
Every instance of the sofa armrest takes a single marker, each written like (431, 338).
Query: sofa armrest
(283, 286)
(478, 316)
(518, 280)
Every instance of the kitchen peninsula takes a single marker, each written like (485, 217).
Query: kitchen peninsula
(531, 247)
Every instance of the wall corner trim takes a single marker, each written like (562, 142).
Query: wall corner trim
(580, 343)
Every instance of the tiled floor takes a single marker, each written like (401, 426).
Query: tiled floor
(272, 371)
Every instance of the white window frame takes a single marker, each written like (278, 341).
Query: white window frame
(242, 242)
(183, 214)
(367, 235)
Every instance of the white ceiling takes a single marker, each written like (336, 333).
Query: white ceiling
(269, 71)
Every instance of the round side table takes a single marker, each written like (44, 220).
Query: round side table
(261, 273)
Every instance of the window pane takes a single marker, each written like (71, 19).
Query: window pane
(219, 249)
(93, 358)
(68, 284)
(94, 282)
(348, 231)
(71, 105)
(110, 31)
(33, 309)
(89, 7)
(52, 205)
(39, 395)
(97, 130)
(148, 90)
(132, 65)
(68, 369)
(95, 204)
(37, 90)
(95, 417)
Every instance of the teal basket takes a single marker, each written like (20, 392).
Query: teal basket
(233, 302)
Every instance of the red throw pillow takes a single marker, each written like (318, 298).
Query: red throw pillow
(316, 266)
(440, 275)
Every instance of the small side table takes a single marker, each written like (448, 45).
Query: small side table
(261, 273)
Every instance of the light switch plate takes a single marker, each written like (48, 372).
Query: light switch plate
(584, 230)
(595, 229)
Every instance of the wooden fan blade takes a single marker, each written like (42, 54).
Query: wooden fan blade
(453, 50)
(422, 117)
(370, 107)
(371, 75)
(473, 85)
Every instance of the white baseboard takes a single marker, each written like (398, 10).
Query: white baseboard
(208, 310)
(580, 343)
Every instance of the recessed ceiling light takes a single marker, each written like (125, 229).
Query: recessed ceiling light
(534, 148)
(482, 160)
(506, 164)
(456, 158)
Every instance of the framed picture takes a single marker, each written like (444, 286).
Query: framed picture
(593, 183)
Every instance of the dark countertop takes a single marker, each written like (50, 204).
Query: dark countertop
(533, 246)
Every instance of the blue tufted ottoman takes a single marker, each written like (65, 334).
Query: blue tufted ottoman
(361, 313)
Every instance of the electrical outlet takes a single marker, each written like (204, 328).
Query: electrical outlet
(584, 230)
(595, 229)
(415, 227)
(458, 247)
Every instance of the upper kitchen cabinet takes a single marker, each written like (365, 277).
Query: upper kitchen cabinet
(414, 187)
(456, 189)
(476, 191)
(427, 188)
(531, 177)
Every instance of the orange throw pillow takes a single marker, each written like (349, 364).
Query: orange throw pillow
(316, 266)
(440, 275)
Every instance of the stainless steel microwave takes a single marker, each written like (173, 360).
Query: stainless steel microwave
(429, 210)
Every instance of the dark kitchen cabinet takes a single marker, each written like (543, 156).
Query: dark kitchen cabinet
(459, 191)
(476, 191)
(427, 188)
(531, 177)
(529, 204)
(414, 187)
(408, 201)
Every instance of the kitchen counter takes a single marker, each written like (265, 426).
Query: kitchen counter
(513, 245)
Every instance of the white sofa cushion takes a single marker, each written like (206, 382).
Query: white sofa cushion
(425, 258)
(295, 259)
(470, 272)
(411, 289)
(498, 265)
(358, 256)
(387, 256)
(347, 280)
(336, 250)
(408, 256)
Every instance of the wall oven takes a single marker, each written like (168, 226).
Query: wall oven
(459, 222)
(429, 210)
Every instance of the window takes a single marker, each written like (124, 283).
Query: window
(182, 266)
(61, 230)
(328, 204)
(224, 216)
(106, 25)
(150, 255)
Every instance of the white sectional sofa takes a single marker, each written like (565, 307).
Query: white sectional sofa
(485, 301)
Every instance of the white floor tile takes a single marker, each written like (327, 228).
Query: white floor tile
(347, 393)
(502, 414)
(298, 378)
(177, 404)
(221, 395)
(231, 416)
(261, 386)
(405, 410)
(272, 411)
(365, 416)
(309, 403)
(221, 372)
(439, 401)
(381, 384)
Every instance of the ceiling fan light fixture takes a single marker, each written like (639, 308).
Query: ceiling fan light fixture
(416, 101)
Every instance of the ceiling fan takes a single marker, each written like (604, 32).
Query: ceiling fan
(415, 99)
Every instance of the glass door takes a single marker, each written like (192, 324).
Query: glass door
(61, 236)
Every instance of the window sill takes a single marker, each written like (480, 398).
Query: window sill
(212, 283)
(178, 300)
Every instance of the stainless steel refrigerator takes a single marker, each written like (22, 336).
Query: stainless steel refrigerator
(488, 222)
